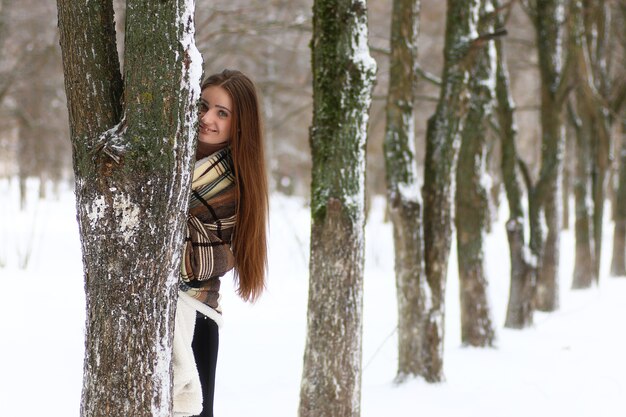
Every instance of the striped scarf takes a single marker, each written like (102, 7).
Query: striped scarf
(210, 225)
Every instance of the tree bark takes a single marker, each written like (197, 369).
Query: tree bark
(566, 181)
(618, 263)
(594, 131)
(523, 265)
(132, 164)
(403, 196)
(472, 200)
(546, 198)
(598, 16)
(343, 74)
(583, 263)
(442, 143)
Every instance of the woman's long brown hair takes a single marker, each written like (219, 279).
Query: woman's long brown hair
(249, 239)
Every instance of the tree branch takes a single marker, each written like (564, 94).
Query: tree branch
(93, 82)
(525, 174)
(433, 79)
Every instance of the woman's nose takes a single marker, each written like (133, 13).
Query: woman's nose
(206, 116)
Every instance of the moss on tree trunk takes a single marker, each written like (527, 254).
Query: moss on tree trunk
(132, 165)
(343, 74)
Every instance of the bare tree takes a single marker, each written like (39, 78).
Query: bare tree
(133, 143)
(596, 20)
(403, 196)
(618, 262)
(545, 200)
(343, 74)
(584, 266)
(442, 143)
(471, 197)
(523, 265)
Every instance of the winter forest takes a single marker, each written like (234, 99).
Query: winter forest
(447, 209)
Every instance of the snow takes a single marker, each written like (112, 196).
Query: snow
(569, 364)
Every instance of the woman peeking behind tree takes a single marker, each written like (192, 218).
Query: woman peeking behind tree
(226, 229)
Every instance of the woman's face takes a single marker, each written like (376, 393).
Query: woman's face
(215, 115)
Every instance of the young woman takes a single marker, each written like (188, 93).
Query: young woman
(226, 225)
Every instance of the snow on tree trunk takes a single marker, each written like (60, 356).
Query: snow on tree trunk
(132, 164)
(442, 143)
(594, 134)
(343, 74)
(471, 199)
(618, 262)
(403, 196)
(523, 266)
(549, 16)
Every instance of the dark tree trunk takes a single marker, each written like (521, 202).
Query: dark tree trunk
(472, 199)
(403, 196)
(132, 165)
(618, 263)
(343, 75)
(598, 95)
(442, 143)
(586, 24)
(523, 266)
(546, 196)
(583, 263)
(566, 181)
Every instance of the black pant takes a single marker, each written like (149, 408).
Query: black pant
(205, 344)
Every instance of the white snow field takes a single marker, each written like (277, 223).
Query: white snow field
(572, 363)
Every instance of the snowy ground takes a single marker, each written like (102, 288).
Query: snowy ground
(570, 364)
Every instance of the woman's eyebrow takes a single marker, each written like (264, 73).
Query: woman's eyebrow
(222, 107)
(217, 105)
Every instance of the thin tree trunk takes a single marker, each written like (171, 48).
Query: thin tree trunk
(472, 200)
(132, 166)
(566, 181)
(343, 74)
(403, 196)
(618, 263)
(523, 266)
(442, 143)
(583, 262)
(599, 13)
(595, 127)
(546, 196)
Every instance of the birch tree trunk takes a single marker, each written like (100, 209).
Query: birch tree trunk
(442, 144)
(402, 190)
(548, 17)
(472, 200)
(523, 265)
(343, 74)
(132, 162)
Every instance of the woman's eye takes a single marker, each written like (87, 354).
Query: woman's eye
(202, 108)
(222, 114)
